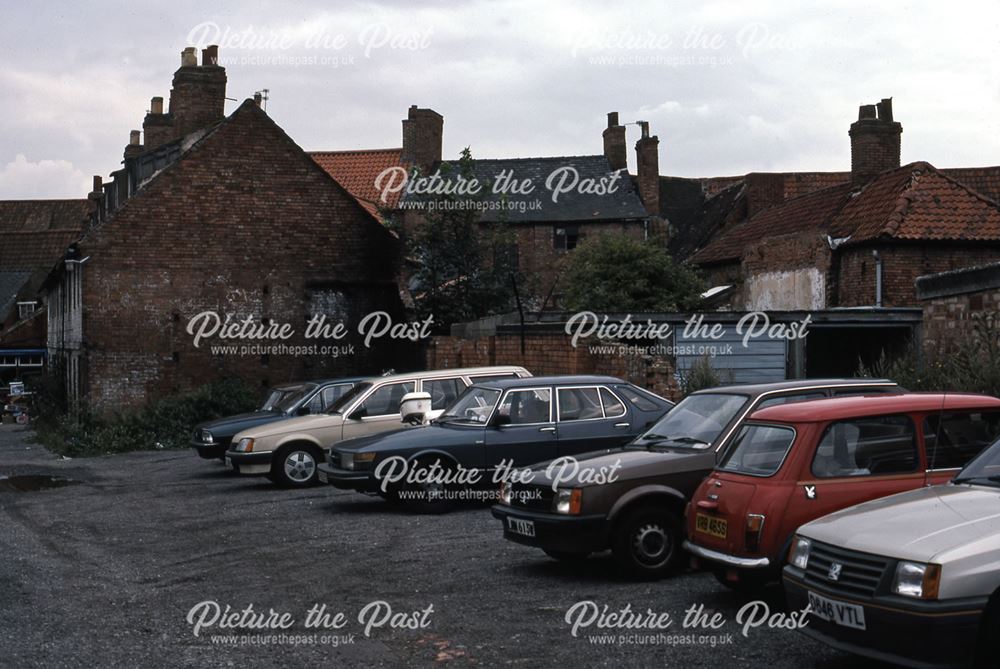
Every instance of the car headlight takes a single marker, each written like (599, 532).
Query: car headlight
(568, 501)
(798, 556)
(207, 437)
(915, 579)
(356, 460)
(505, 490)
(245, 445)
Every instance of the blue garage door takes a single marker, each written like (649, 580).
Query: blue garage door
(762, 360)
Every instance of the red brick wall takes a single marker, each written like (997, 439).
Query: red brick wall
(550, 354)
(246, 224)
(952, 320)
(901, 264)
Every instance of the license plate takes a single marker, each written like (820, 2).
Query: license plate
(229, 462)
(526, 528)
(716, 527)
(840, 613)
(321, 475)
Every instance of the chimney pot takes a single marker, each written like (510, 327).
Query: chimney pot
(644, 125)
(866, 112)
(189, 57)
(133, 138)
(156, 105)
(98, 183)
(612, 119)
(257, 98)
(210, 55)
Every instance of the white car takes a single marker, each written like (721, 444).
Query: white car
(288, 450)
(913, 578)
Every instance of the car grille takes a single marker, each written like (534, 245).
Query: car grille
(534, 497)
(860, 573)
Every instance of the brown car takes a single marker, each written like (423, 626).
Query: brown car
(639, 515)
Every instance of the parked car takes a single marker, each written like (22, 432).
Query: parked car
(913, 578)
(213, 438)
(640, 515)
(520, 422)
(792, 464)
(289, 451)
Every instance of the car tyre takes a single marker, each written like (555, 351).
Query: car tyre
(647, 543)
(988, 647)
(296, 466)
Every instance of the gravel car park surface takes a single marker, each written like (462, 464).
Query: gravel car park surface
(103, 572)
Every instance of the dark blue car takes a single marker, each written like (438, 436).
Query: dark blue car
(516, 422)
(212, 438)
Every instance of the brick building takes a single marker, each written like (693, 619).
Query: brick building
(213, 213)
(33, 236)
(862, 240)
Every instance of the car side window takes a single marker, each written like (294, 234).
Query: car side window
(579, 404)
(613, 407)
(871, 390)
(637, 399)
(793, 397)
(443, 391)
(385, 400)
(331, 394)
(871, 446)
(315, 403)
(955, 438)
(486, 378)
(523, 407)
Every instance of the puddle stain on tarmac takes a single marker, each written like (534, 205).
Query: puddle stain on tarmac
(32, 483)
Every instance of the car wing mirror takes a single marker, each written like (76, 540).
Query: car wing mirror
(500, 420)
(303, 410)
(357, 414)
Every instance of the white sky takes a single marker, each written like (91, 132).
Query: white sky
(732, 87)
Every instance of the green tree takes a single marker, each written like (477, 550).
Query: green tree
(463, 267)
(616, 273)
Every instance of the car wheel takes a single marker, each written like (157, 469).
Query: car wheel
(566, 556)
(295, 466)
(426, 497)
(647, 543)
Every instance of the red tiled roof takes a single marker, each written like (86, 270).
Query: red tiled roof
(985, 180)
(805, 212)
(918, 201)
(357, 170)
(915, 201)
(34, 234)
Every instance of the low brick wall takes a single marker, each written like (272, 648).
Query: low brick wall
(547, 354)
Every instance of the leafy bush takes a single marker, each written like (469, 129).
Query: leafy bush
(702, 375)
(165, 423)
(970, 364)
(615, 273)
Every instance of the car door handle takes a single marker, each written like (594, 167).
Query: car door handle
(621, 424)
(546, 429)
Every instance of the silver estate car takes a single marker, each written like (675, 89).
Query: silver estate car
(913, 578)
(288, 451)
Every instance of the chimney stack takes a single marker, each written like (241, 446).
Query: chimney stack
(134, 147)
(648, 169)
(198, 95)
(614, 143)
(258, 97)
(875, 141)
(423, 130)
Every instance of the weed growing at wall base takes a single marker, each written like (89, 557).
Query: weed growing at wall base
(165, 423)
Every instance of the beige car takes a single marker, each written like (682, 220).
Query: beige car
(289, 450)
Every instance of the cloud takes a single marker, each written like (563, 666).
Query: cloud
(23, 179)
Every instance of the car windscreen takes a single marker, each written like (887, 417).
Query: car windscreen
(473, 406)
(347, 398)
(984, 470)
(697, 420)
(284, 398)
(758, 450)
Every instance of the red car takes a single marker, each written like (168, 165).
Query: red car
(793, 463)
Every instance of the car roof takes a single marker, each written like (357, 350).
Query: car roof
(759, 388)
(859, 406)
(564, 380)
(448, 373)
(321, 382)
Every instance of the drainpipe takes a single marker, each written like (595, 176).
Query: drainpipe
(878, 278)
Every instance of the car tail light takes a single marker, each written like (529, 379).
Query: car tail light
(754, 530)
